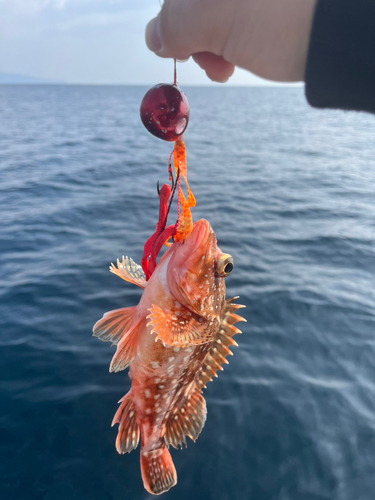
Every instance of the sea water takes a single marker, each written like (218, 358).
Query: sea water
(290, 193)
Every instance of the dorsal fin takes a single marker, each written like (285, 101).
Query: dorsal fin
(129, 271)
(187, 420)
(128, 431)
(230, 309)
(219, 350)
(182, 330)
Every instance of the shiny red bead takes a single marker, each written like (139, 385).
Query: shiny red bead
(165, 111)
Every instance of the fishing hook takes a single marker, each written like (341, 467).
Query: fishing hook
(158, 186)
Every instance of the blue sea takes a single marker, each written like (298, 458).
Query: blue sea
(290, 193)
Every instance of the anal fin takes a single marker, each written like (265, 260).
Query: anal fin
(186, 421)
(128, 432)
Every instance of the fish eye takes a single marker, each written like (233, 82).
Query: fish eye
(225, 265)
(228, 268)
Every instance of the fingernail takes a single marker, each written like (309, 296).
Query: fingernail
(217, 80)
(152, 35)
(182, 60)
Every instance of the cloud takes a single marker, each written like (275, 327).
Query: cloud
(10, 8)
(31, 18)
(27, 7)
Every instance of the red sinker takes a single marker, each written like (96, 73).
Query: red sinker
(165, 111)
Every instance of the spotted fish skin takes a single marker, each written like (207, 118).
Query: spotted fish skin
(175, 341)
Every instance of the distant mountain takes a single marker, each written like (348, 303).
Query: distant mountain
(9, 79)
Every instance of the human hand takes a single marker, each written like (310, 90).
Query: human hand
(267, 37)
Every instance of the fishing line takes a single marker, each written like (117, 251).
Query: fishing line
(172, 195)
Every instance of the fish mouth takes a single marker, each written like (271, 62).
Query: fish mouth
(200, 234)
(197, 244)
(186, 262)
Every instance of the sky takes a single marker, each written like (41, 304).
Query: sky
(90, 42)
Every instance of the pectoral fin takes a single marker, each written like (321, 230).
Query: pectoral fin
(182, 330)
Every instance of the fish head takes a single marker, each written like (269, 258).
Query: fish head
(196, 272)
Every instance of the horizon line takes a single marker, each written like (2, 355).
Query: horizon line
(212, 85)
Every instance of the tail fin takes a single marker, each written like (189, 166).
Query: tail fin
(158, 471)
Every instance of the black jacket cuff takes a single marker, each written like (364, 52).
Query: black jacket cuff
(340, 69)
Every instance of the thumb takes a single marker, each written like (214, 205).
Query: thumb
(185, 27)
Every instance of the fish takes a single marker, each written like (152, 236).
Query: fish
(175, 341)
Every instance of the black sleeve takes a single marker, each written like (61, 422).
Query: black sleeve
(340, 70)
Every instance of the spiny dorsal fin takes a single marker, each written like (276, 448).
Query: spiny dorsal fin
(219, 350)
(187, 420)
(230, 309)
(182, 330)
(128, 431)
(129, 271)
(114, 324)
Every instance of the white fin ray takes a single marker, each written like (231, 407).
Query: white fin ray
(129, 271)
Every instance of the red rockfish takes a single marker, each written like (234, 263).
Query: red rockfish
(175, 340)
